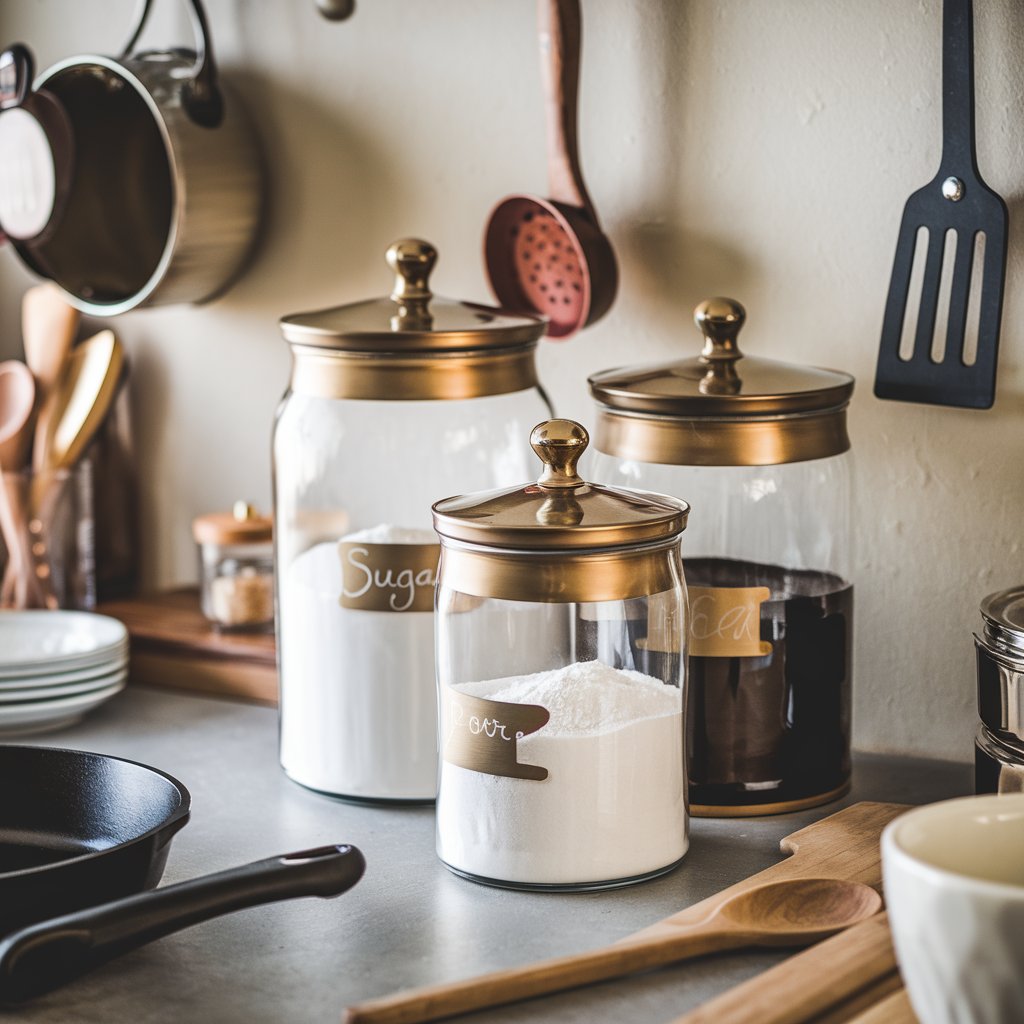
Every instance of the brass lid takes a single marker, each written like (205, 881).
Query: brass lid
(721, 381)
(722, 408)
(242, 525)
(560, 510)
(412, 319)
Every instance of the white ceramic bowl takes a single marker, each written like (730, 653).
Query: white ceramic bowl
(954, 888)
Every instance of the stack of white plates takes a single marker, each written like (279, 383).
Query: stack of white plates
(55, 666)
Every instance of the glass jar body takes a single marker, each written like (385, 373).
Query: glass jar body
(356, 560)
(770, 666)
(236, 586)
(562, 734)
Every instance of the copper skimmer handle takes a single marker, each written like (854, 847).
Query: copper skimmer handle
(559, 26)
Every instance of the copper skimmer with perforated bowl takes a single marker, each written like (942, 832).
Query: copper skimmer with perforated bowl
(549, 256)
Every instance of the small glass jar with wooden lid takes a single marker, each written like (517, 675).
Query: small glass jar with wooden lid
(561, 664)
(761, 450)
(236, 569)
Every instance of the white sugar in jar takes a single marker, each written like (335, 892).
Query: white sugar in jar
(363, 719)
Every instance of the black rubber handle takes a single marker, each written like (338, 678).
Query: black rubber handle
(45, 955)
(958, 155)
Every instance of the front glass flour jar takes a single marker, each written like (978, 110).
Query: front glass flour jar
(561, 665)
(391, 403)
(760, 448)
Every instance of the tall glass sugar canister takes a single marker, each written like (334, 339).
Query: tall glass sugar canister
(761, 450)
(561, 668)
(391, 402)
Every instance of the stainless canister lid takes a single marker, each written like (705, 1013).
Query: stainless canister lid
(1003, 613)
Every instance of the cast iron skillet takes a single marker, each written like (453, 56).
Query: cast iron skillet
(78, 830)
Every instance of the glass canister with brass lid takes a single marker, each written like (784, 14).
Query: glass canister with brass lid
(391, 402)
(561, 625)
(760, 448)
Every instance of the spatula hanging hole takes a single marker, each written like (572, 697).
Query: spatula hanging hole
(913, 306)
(939, 335)
(972, 327)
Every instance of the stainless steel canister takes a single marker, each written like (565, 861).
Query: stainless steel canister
(999, 747)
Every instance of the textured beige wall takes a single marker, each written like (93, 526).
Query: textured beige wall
(756, 148)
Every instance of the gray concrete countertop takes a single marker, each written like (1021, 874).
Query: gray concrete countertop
(409, 921)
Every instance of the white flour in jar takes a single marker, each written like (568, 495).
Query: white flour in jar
(358, 697)
(613, 805)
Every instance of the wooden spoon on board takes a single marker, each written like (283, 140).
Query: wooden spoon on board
(793, 912)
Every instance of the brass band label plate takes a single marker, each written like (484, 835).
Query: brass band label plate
(388, 577)
(482, 735)
(725, 622)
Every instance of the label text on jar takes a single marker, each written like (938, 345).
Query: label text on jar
(388, 577)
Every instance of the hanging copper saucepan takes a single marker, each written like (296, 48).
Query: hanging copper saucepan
(166, 187)
(549, 256)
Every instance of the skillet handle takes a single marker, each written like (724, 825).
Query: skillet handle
(45, 955)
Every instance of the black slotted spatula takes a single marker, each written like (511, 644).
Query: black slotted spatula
(955, 200)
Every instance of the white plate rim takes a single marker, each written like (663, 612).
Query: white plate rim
(37, 695)
(89, 621)
(44, 710)
(79, 675)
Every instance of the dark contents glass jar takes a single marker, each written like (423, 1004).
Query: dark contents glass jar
(760, 449)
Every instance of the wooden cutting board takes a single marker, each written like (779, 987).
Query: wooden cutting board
(894, 1009)
(174, 646)
(844, 845)
(833, 982)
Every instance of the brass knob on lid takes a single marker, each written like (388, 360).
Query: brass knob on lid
(720, 321)
(559, 444)
(412, 260)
